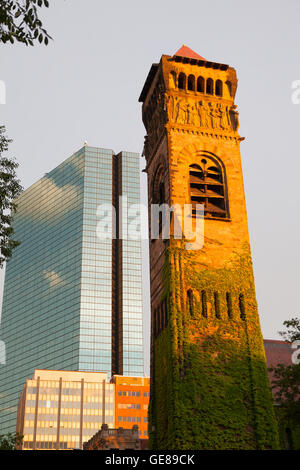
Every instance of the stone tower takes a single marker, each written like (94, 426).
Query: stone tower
(210, 388)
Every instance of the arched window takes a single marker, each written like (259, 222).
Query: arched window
(207, 187)
(242, 307)
(204, 303)
(217, 304)
(200, 84)
(229, 304)
(181, 81)
(190, 302)
(191, 83)
(219, 88)
(210, 86)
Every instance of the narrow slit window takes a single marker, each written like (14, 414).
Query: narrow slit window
(204, 304)
(229, 304)
(242, 307)
(190, 300)
(217, 304)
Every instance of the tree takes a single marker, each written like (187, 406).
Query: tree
(10, 441)
(10, 188)
(286, 384)
(293, 330)
(19, 21)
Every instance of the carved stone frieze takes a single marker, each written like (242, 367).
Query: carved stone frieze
(201, 113)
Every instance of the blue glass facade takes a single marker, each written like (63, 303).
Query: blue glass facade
(131, 272)
(57, 303)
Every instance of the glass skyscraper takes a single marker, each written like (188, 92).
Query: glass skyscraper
(72, 299)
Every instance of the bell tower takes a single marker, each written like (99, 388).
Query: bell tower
(209, 383)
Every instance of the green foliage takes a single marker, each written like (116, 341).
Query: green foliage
(10, 441)
(19, 21)
(293, 330)
(10, 188)
(286, 386)
(210, 386)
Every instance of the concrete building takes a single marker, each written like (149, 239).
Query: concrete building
(72, 298)
(62, 409)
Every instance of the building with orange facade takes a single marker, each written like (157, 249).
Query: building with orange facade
(131, 402)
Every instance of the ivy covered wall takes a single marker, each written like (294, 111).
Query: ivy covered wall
(289, 432)
(210, 388)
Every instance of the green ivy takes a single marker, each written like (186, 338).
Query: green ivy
(291, 442)
(210, 388)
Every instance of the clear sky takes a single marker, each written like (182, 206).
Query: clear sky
(85, 86)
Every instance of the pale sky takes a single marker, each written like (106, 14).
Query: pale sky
(85, 86)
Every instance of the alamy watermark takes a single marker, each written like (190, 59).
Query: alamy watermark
(295, 97)
(2, 92)
(2, 353)
(296, 354)
(177, 221)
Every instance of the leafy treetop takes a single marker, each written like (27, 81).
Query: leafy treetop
(19, 21)
(10, 188)
(293, 330)
(10, 441)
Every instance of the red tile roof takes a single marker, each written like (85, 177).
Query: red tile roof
(185, 51)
